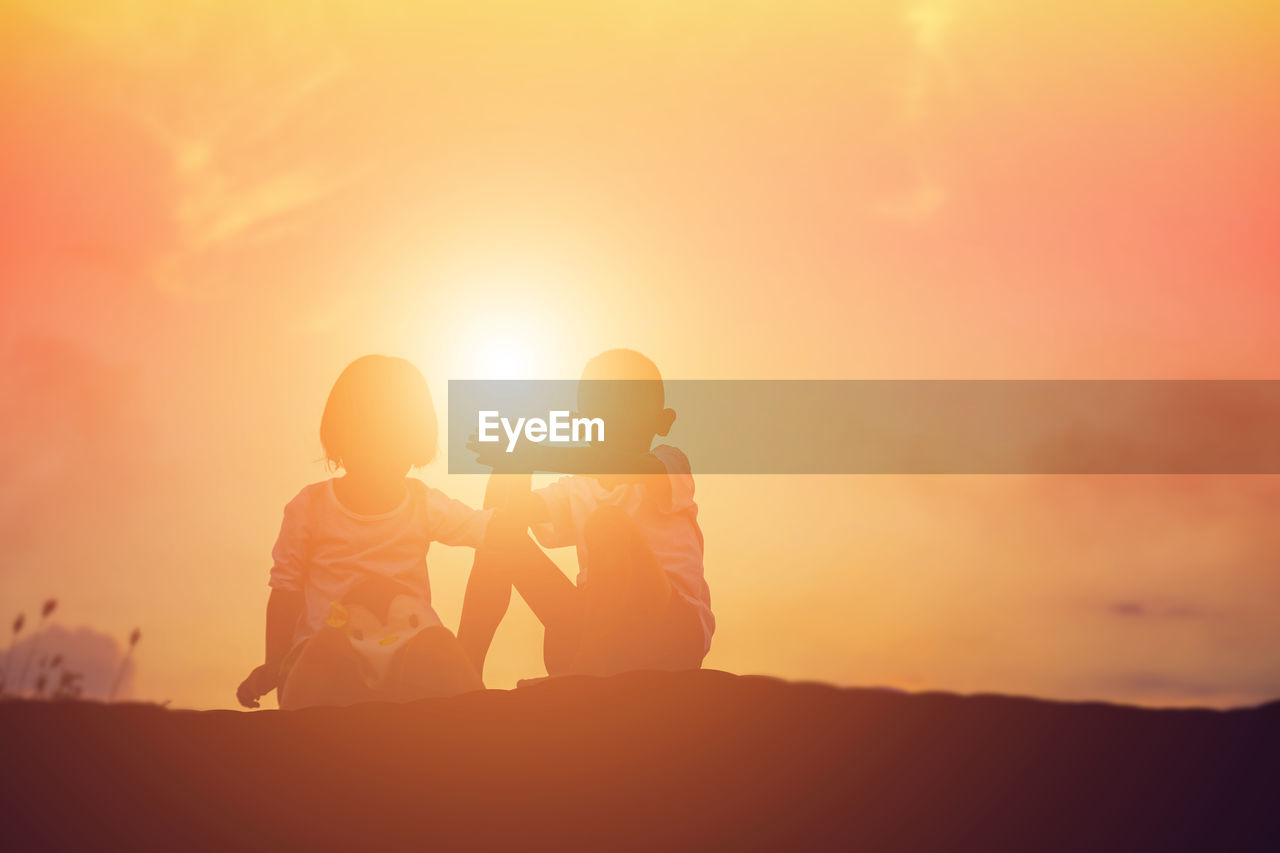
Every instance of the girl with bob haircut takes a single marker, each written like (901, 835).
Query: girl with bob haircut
(349, 618)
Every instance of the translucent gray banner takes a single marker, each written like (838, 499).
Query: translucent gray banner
(879, 426)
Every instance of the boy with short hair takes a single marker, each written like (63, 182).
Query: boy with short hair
(641, 600)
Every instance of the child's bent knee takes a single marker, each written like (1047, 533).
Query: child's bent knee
(498, 562)
(434, 663)
(432, 638)
(324, 648)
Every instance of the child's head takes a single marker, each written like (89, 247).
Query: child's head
(625, 389)
(379, 418)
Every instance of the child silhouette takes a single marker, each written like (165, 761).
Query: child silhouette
(349, 618)
(640, 601)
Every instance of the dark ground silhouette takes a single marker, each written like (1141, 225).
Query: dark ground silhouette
(650, 761)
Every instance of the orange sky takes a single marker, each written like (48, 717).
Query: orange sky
(211, 208)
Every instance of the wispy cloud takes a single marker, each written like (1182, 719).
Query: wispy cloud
(217, 110)
(1156, 609)
(1158, 686)
(929, 74)
(929, 22)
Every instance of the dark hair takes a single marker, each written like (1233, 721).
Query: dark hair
(380, 406)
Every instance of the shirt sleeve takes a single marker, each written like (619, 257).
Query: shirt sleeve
(451, 522)
(558, 531)
(679, 475)
(289, 556)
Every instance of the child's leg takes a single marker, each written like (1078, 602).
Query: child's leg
(551, 596)
(327, 672)
(627, 598)
(432, 663)
(484, 604)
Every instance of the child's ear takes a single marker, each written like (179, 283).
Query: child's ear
(665, 419)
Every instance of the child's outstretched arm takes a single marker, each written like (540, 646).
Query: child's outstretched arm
(643, 468)
(622, 465)
(625, 465)
(513, 490)
(284, 607)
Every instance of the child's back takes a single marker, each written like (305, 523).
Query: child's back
(667, 519)
(641, 599)
(325, 550)
(349, 618)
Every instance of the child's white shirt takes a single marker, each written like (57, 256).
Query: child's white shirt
(325, 549)
(671, 530)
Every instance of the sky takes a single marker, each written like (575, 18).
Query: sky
(212, 207)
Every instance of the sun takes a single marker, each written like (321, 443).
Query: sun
(505, 359)
(505, 321)
(514, 345)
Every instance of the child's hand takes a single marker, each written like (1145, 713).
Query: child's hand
(259, 683)
(524, 458)
(489, 454)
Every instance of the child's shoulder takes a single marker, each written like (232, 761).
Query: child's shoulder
(303, 506)
(309, 494)
(420, 492)
(673, 458)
